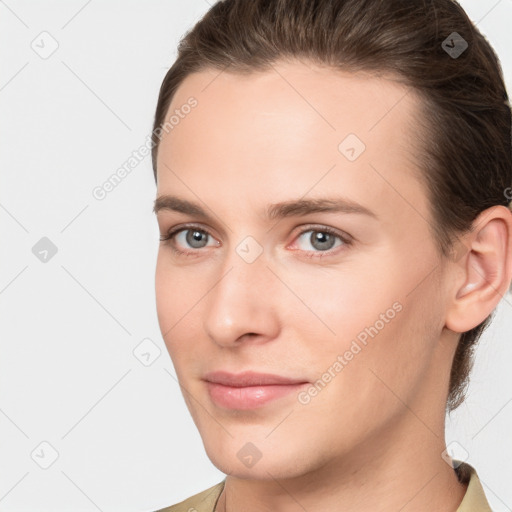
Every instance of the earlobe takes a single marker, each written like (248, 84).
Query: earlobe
(486, 270)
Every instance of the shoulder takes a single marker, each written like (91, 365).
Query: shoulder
(204, 501)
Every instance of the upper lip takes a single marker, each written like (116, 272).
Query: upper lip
(249, 378)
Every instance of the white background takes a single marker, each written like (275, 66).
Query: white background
(68, 327)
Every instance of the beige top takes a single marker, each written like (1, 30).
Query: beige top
(474, 499)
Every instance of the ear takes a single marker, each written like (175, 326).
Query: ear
(482, 269)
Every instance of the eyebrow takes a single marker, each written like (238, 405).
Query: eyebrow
(295, 207)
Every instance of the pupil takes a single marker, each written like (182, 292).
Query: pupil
(323, 239)
(194, 237)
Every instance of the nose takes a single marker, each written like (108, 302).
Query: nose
(242, 305)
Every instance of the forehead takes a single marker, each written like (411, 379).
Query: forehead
(284, 129)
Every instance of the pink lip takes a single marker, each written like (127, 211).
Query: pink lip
(249, 378)
(249, 389)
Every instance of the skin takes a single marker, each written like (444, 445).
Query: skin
(373, 437)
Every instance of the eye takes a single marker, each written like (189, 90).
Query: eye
(322, 239)
(191, 236)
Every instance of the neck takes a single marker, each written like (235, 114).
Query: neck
(399, 470)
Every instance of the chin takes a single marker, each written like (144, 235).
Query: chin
(244, 460)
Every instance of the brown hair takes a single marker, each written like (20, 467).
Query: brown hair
(464, 145)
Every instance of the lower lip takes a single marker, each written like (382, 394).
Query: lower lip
(249, 397)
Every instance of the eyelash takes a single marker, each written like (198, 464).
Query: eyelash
(347, 241)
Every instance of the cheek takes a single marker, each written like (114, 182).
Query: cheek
(369, 370)
(164, 294)
(365, 328)
(173, 298)
(337, 304)
(175, 287)
(181, 295)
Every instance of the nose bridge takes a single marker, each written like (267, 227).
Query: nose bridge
(241, 301)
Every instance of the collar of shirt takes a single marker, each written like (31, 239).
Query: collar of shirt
(474, 500)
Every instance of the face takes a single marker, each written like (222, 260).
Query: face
(347, 300)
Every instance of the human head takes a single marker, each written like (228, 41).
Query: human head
(464, 132)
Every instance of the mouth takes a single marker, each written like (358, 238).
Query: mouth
(249, 390)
